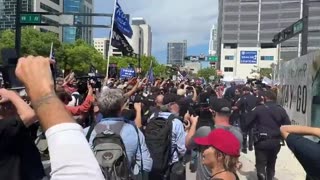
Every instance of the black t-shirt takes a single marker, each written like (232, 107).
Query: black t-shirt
(308, 154)
(19, 157)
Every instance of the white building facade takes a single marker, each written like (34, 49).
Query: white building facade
(241, 63)
(101, 45)
(213, 41)
(142, 37)
(55, 6)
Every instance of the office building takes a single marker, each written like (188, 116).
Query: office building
(71, 34)
(54, 6)
(246, 30)
(101, 45)
(193, 67)
(8, 11)
(176, 52)
(87, 32)
(213, 41)
(142, 35)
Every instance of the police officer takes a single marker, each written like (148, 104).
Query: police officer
(245, 105)
(266, 119)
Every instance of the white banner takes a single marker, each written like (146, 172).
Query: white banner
(299, 90)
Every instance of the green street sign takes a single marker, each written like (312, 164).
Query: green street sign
(30, 18)
(298, 27)
(213, 58)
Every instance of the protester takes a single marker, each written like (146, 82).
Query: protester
(16, 147)
(63, 134)
(111, 103)
(220, 152)
(305, 150)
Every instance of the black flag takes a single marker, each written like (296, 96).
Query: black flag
(119, 41)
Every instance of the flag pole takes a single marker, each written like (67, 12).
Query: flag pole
(52, 67)
(110, 39)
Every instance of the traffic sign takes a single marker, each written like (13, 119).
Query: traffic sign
(298, 27)
(213, 58)
(30, 18)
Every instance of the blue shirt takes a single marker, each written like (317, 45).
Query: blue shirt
(178, 136)
(130, 139)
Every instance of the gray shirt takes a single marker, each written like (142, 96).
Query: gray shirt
(203, 173)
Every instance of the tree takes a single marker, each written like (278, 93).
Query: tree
(206, 73)
(79, 56)
(33, 42)
(265, 72)
(124, 62)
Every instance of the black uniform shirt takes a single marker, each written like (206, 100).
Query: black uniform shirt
(268, 118)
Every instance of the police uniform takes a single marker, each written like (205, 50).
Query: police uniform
(245, 104)
(266, 120)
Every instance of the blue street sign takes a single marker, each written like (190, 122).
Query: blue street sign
(127, 73)
(248, 57)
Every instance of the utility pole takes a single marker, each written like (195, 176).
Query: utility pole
(18, 28)
(305, 31)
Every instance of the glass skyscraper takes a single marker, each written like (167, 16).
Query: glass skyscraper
(70, 34)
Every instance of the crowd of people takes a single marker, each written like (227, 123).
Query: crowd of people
(140, 129)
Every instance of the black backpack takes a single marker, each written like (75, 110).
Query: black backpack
(158, 133)
(110, 152)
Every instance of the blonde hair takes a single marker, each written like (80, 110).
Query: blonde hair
(229, 162)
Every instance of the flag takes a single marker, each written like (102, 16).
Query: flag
(150, 75)
(119, 41)
(180, 76)
(52, 54)
(92, 71)
(122, 21)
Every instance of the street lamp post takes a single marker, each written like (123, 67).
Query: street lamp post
(18, 28)
(305, 32)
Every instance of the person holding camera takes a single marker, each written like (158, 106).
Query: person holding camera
(16, 145)
(221, 112)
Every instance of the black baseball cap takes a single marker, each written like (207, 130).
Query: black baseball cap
(221, 105)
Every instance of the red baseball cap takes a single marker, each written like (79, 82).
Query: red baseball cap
(221, 140)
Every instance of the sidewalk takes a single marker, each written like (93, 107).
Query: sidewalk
(287, 166)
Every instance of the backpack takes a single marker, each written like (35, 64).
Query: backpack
(158, 133)
(110, 151)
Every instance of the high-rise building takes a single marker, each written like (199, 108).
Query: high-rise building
(87, 31)
(246, 30)
(54, 6)
(142, 35)
(70, 34)
(176, 52)
(8, 11)
(213, 41)
(101, 45)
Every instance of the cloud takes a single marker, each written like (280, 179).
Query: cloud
(174, 20)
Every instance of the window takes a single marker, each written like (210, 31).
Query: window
(266, 58)
(229, 57)
(228, 69)
(47, 8)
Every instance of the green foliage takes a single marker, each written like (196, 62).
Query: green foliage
(206, 73)
(124, 62)
(265, 72)
(79, 56)
(33, 42)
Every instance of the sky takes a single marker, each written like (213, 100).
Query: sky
(170, 20)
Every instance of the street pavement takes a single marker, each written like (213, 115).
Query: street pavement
(287, 167)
